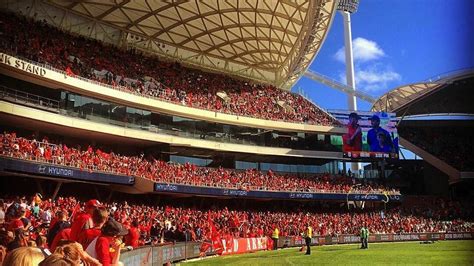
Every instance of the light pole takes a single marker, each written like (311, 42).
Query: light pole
(347, 7)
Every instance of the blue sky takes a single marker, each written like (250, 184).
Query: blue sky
(395, 43)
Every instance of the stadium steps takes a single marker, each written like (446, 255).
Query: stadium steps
(453, 173)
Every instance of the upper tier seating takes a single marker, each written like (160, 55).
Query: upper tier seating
(148, 76)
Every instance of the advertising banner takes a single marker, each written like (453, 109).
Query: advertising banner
(53, 170)
(243, 245)
(198, 190)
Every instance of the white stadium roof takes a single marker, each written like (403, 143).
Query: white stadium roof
(271, 41)
(405, 95)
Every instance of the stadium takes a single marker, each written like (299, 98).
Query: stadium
(169, 132)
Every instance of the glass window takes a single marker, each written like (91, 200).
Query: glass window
(111, 113)
(192, 160)
(245, 165)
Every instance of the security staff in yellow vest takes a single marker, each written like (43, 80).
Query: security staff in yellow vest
(275, 236)
(308, 234)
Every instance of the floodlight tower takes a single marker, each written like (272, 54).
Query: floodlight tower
(347, 7)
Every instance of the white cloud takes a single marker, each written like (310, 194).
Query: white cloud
(364, 50)
(373, 78)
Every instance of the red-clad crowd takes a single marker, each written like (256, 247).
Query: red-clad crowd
(148, 76)
(91, 236)
(26, 221)
(91, 159)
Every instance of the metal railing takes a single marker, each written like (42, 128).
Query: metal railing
(47, 104)
(25, 98)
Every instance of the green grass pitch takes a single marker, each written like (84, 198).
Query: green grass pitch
(450, 253)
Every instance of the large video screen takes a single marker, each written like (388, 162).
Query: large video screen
(370, 135)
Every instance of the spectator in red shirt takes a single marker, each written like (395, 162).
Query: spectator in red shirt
(83, 220)
(133, 235)
(15, 224)
(106, 247)
(99, 217)
(64, 234)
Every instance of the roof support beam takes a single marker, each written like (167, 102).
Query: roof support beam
(112, 9)
(338, 86)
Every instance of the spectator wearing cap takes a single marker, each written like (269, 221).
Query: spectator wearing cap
(106, 247)
(353, 138)
(378, 138)
(83, 220)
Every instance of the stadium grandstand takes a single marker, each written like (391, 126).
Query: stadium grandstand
(155, 132)
(436, 121)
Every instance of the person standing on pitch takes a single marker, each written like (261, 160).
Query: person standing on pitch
(275, 236)
(308, 236)
(364, 234)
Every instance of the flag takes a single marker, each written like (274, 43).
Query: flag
(74, 211)
(204, 247)
(217, 243)
(215, 238)
(69, 72)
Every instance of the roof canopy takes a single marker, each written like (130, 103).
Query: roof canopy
(403, 96)
(271, 41)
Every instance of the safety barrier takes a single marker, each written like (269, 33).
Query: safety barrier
(296, 241)
(158, 255)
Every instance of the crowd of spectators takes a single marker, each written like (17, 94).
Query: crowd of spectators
(152, 77)
(90, 159)
(454, 145)
(27, 222)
